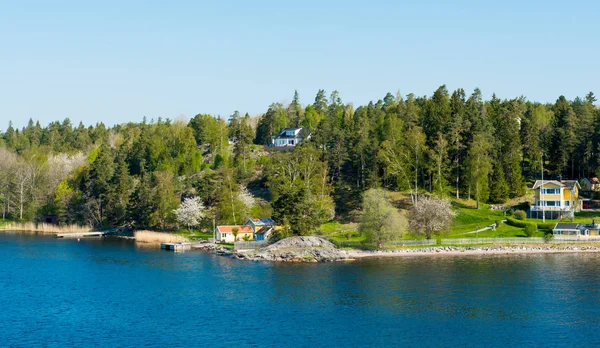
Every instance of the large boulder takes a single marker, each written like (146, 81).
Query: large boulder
(298, 249)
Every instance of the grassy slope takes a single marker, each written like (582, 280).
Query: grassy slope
(467, 219)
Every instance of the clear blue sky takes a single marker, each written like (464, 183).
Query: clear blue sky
(117, 61)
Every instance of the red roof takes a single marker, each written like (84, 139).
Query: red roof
(229, 229)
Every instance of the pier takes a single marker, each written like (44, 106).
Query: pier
(84, 234)
(176, 247)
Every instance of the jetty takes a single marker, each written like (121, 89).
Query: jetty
(177, 247)
(85, 234)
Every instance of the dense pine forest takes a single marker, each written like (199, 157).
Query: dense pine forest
(447, 144)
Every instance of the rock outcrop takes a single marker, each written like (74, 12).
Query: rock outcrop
(296, 249)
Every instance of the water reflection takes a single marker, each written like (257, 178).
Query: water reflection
(143, 295)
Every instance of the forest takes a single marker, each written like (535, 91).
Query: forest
(445, 145)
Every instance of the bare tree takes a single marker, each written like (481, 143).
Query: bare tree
(22, 178)
(431, 217)
(8, 162)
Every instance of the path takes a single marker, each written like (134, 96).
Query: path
(481, 229)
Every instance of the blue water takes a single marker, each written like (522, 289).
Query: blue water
(57, 292)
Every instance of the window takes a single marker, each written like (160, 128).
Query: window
(548, 203)
(223, 235)
(550, 191)
(291, 142)
(567, 203)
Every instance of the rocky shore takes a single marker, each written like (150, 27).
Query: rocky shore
(296, 249)
(317, 249)
(206, 246)
(478, 250)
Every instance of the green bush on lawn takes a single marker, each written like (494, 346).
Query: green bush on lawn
(520, 215)
(530, 230)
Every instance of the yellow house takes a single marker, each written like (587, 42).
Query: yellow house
(225, 234)
(556, 196)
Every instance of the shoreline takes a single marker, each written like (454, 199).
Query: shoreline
(475, 251)
(346, 255)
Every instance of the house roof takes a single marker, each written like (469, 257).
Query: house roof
(570, 183)
(229, 229)
(262, 222)
(561, 226)
(538, 183)
(564, 183)
(264, 230)
(283, 133)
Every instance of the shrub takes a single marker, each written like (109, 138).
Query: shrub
(498, 222)
(547, 226)
(515, 223)
(548, 237)
(530, 230)
(520, 215)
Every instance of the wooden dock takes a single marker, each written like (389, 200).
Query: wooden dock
(84, 234)
(176, 247)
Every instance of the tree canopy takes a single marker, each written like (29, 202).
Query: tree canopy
(451, 143)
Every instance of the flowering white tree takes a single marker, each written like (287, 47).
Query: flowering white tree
(190, 212)
(246, 197)
(430, 217)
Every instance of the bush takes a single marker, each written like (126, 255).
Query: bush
(498, 222)
(548, 237)
(547, 226)
(530, 230)
(520, 215)
(515, 223)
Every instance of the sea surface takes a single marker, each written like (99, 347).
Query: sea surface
(113, 293)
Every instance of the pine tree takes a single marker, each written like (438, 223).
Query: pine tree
(479, 166)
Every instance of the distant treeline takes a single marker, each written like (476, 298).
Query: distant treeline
(449, 144)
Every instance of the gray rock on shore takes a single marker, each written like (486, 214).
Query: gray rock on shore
(296, 249)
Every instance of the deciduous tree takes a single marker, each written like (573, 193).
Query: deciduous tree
(431, 217)
(381, 221)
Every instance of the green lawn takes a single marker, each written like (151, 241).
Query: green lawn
(335, 227)
(467, 219)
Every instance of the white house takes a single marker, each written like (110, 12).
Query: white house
(289, 137)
